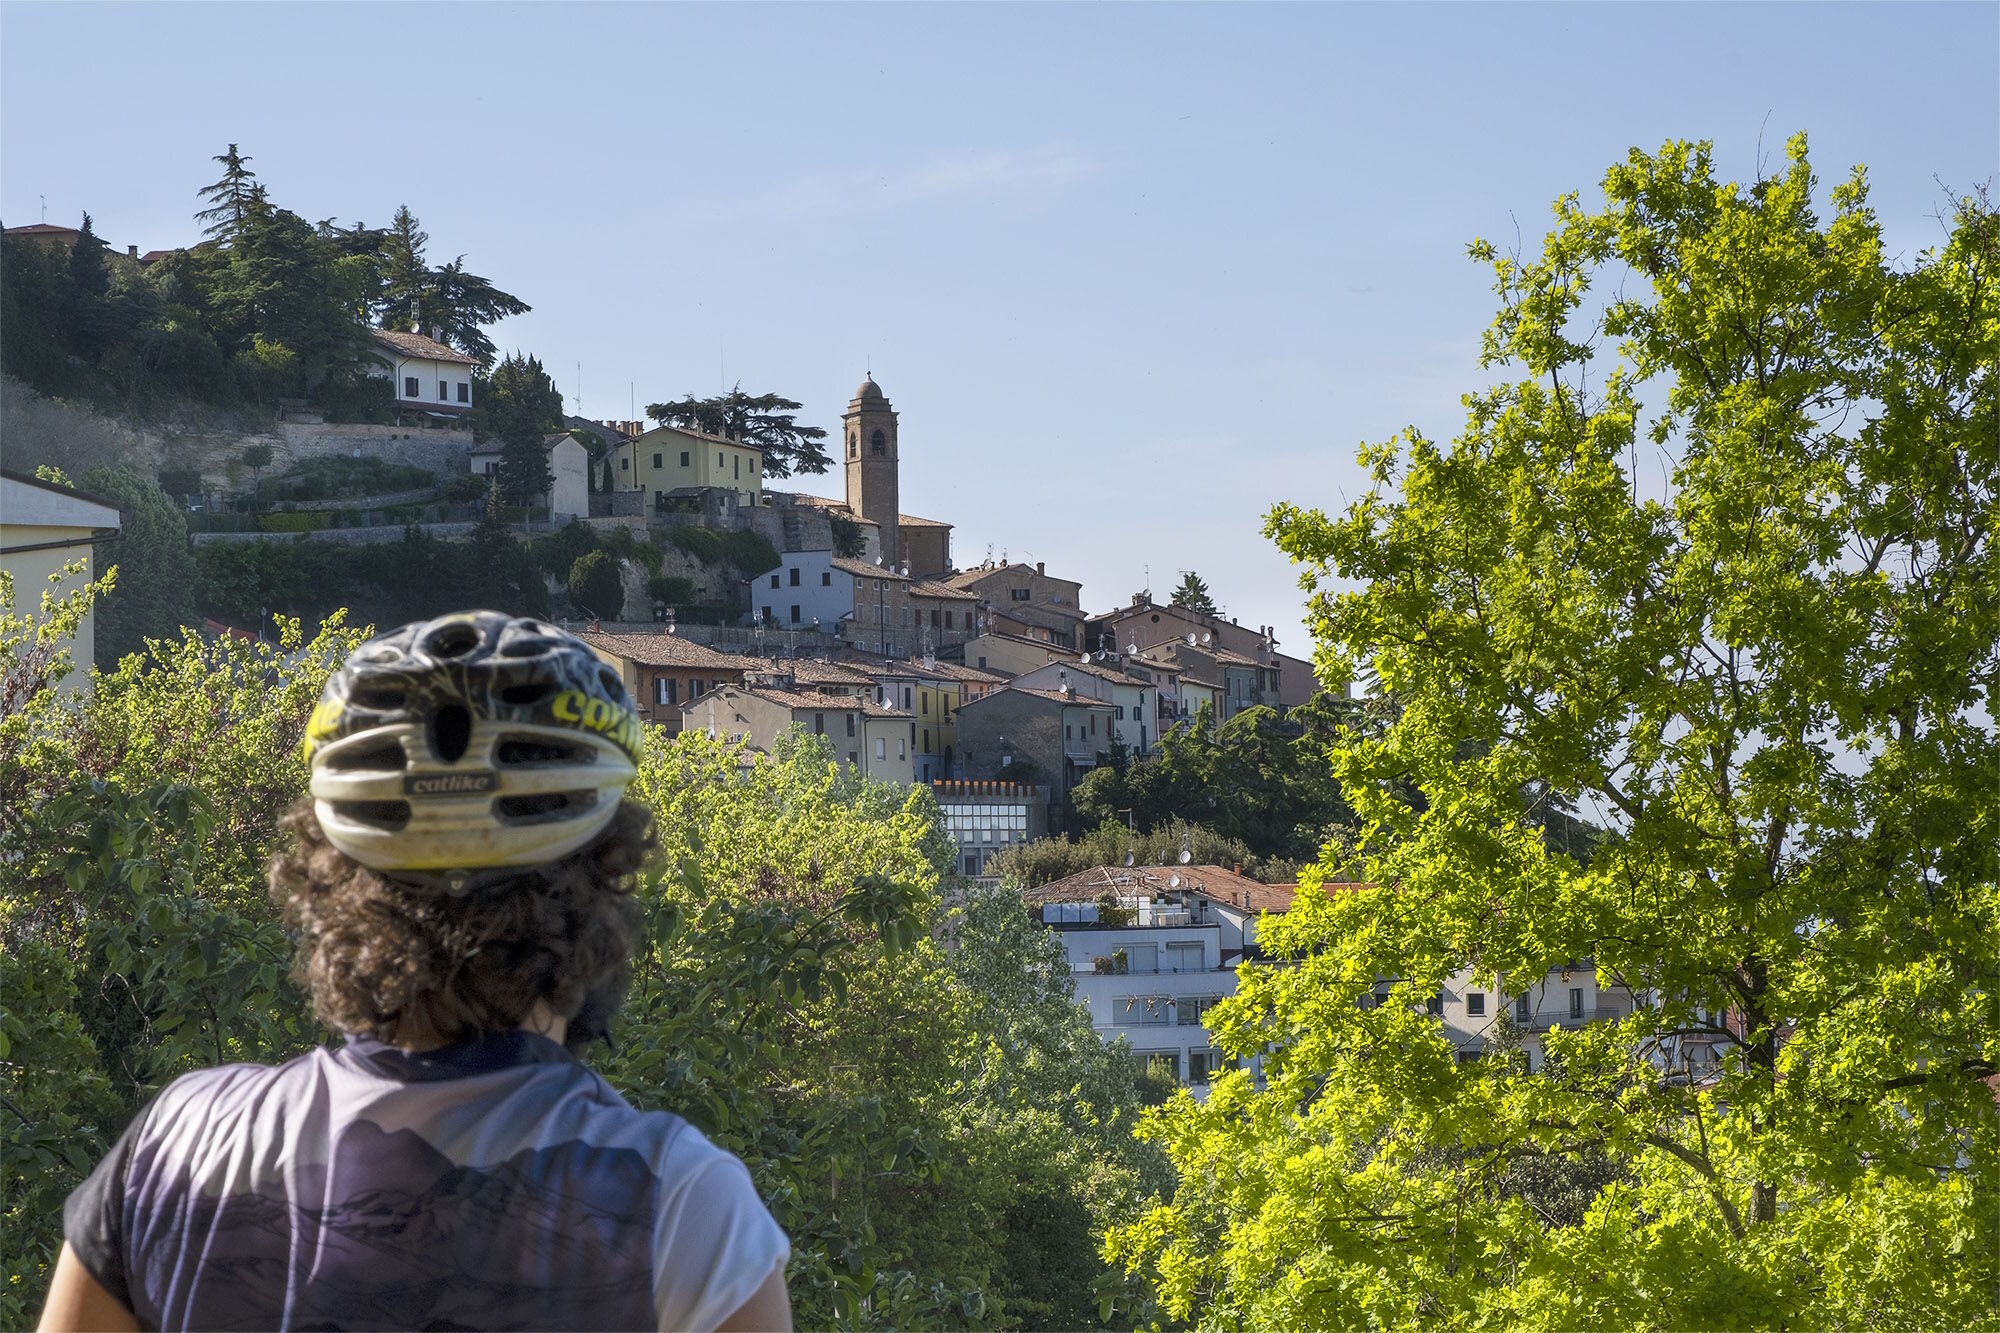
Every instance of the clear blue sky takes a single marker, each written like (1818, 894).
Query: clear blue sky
(1129, 272)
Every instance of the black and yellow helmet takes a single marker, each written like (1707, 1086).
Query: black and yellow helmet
(471, 742)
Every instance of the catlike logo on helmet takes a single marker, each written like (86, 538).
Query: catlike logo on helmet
(451, 784)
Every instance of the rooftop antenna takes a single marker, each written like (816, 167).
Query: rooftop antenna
(579, 388)
(45, 208)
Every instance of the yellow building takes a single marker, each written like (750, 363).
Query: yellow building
(667, 459)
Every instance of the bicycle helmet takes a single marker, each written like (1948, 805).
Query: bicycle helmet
(467, 744)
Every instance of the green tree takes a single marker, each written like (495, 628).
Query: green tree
(458, 303)
(1776, 676)
(404, 273)
(597, 585)
(229, 199)
(1192, 595)
(519, 405)
(256, 457)
(156, 572)
(764, 420)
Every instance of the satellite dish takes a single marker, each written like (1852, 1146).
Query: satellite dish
(1174, 882)
(1204, 636)
(1128, 860)
(1186, 856)
(1190, 638)
(878, 559)
(1132, 650)
(1085, 659)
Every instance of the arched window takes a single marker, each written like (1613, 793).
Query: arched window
(876, 443)
(854, 445)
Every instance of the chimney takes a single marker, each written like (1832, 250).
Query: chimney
(1246, 900)
(131, 252)
(1041, 566)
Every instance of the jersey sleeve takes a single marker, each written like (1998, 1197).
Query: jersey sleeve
(94, 1216)
(714, 1242)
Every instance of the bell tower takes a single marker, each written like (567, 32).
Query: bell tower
(868, 437)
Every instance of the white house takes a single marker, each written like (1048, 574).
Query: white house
(1151, 975)
(805, 587)
(44, 527)
(568, 495)
(433, 382)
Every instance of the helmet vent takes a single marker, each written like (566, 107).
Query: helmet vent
(526, 647)
(378, 700)
(390, 815)
(613, 685)
(380, 758)
(520, 696)
(451, 732)
(453, 640)
(544, 807)
(515, 752)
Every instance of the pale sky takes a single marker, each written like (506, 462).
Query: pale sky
(1130, 273)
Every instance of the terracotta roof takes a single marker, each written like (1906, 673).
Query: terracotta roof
(818, 702)
(43, 229)
(912, 521)
(1071, 699)
(1232, 658)
(1102, 670)
(1213, 882)
(1032, 643)
(155, 256)
(416, 344)
(810, 671)
(967, 577)
(686, 434)
(667, 650)
(932, 588)
(960, 671)
(863, 569)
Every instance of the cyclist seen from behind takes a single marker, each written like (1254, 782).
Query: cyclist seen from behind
(460, 884)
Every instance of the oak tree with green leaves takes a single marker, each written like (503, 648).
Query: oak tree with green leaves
(1772, 678)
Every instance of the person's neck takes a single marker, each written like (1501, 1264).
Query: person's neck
(543, 1021)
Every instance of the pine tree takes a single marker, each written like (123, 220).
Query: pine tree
(405, 278)
(764, 420)
(230, 198)
(1192, 595)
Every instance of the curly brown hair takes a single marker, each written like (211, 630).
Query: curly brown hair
(399, 960)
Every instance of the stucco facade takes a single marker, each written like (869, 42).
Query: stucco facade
(668, 459)
(43, 529)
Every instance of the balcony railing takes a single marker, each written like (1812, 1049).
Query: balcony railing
(1571, 1018)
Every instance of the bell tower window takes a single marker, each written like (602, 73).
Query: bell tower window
(877, 443)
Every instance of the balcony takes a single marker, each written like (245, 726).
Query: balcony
(1571, 1018)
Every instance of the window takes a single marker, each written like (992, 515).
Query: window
(1434, 1005)
(1521, 1008)
(736, 466)
(972, 863)
(1475, 1003)
(927, 740)
(1198, 1066)
(902, 749)
(881, 748)
(1066, 731)
(1184, 957)
(852, 759)
(774, 580)
(1018, 594)
(1575, 1002)
(926, 702)
(825, 579)
(819, 724)
(767, 615)
(947, 620)
(854, 445)
(659, 460)
(624, 465)
(444, 392)
(876, 443)
(410, 389)
(664, 689)
(795, 613)
(850, 724)
(685, 461)
(935, 615)
(906, 698)
(795, 578)
(1118, 712)
(464, 392)
(1093, 724)
(982, 664)
(718, 458)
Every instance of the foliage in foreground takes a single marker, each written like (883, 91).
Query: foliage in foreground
(1780, 678)
(939, 1131)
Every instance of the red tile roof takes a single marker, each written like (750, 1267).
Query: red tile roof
(912, 521)
(932, 588)
(417, 345)
(667, 650)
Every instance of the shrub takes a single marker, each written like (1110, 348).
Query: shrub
(597, 585)
(672, 589)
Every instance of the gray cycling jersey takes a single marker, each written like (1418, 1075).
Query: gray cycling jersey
(493, 1184)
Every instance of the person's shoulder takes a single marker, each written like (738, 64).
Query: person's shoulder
(221, 1090)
